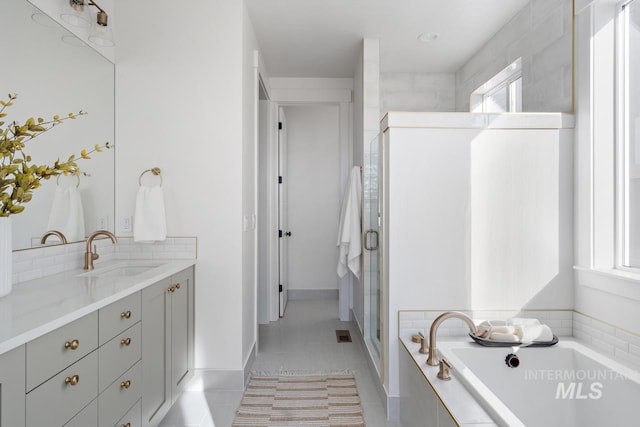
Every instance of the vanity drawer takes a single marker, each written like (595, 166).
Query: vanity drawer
(118, 316)
(85, 418)
(120, 396)
(118, 355)
(56, 401)
(51, 353)
(133, 418)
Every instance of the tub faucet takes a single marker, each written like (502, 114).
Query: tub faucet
(433, 356)
(89, 255)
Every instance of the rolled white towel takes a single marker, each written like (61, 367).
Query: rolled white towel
(536, 333)
(498, 336)
(483, 329)
(504, 330)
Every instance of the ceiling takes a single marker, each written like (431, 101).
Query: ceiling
(322, 38)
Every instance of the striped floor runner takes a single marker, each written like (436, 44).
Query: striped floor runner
(319, 400)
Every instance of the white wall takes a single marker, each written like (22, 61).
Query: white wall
(445, 217)
(314, 195)
(366, 128)
(601, 291)
(250, 66)
(179, 106)
(541, 33)
(417, 92)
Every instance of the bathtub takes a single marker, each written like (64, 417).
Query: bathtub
(564, 385)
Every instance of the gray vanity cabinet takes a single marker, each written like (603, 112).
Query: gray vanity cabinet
(12, 385)
(167, 343)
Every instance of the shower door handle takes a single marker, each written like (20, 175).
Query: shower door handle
(366, 240)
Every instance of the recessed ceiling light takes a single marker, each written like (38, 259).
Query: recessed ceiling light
(428, 37)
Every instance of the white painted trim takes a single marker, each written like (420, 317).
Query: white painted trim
(311, 96)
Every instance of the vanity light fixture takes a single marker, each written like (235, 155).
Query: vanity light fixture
(101, 34)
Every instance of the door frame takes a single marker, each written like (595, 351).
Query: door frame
(299, 97)
(342, 99)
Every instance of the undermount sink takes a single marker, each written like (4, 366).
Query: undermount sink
(128, 269)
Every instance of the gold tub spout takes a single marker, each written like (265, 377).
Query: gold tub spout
(433, 356)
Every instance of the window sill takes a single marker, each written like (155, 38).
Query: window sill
(617, 282)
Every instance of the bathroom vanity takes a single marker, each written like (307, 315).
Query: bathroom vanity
(112, 347)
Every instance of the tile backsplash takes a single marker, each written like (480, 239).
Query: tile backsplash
(412, 322)
(619, 344)
(39, 262)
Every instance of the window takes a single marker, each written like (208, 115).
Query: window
(629, 135)
(500, 94)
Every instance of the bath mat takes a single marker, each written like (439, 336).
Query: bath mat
(304, 400)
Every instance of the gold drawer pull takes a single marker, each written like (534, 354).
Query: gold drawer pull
(177, 285)
(74, 380)
(125, 314)
(125, 384)
(72, 345)
(172, 289)
(126, 425)
(125, 341)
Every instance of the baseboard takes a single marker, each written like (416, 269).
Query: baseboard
(249, 364)
(312, 294)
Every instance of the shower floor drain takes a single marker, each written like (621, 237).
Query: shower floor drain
(343, 335)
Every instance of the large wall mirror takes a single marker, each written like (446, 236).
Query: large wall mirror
(53, 72)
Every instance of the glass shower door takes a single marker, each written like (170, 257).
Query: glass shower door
(371, 245)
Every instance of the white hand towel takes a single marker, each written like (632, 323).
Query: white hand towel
(67, 215)
(350, 229)
(150, 223)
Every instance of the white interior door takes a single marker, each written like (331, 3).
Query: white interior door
(283, 202)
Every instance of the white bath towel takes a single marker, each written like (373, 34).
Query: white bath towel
(67, 215)
(350, 229)
(150, 223)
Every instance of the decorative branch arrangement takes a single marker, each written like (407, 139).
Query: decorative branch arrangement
(18, 175)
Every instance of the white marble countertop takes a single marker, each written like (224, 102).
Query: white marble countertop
(39, 306)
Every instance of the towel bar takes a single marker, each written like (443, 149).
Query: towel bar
(156, 171)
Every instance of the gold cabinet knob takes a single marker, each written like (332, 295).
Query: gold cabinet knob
(125, 341)
(74, 380)
(177, 285)
(125, 384)
(125, 314)
(126, 425)
(72, 345)
(172, 289)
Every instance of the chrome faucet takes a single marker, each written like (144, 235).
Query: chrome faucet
(56, 233)
(89, 255)
(433, 356)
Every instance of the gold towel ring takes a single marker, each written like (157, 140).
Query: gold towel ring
(58, 180)
(155, 171)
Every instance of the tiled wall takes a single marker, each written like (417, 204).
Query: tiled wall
(412, 322)
(609, 339)
(39, 262)
(541, 34)
(615, 342)
(417, 92)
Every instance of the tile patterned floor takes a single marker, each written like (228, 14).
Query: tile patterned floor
(304, 340)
